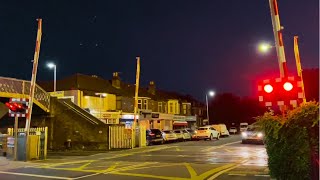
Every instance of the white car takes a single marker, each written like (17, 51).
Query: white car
(207, 132)
(179, 134)
(222, 128)
(169, 136)
(233, 130)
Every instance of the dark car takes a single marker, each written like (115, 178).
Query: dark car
(253, 134)
(154, 136)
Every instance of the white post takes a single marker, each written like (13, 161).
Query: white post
(207, 107)
(55, 78)
(15, 137)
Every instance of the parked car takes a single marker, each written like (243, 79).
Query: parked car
(179, 134)
(207, 132)
(243, 126)
(186, 135)
(252, 134)
(193, 133)
(222, 128)
(169, 136)
(154, 136)
(233, 130)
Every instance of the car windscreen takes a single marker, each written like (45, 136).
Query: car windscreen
(177, 131)
(203, 129)
(253, 129)
(190, 131)
(243, 126)
(156, 131)
(232, 128)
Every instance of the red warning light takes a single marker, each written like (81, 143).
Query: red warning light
(287, 86)
(268, 88)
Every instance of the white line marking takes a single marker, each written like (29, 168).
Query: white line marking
(237, 174)
(34, 175)
(262, 175)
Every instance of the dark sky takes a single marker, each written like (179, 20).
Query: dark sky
(187, 46)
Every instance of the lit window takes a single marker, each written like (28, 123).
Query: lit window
(139, 103)
(170, 107)
(159, 106)
(145, 104)
(184, 107)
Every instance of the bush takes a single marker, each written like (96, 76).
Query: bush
(292, 142)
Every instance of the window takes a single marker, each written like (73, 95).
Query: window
(145, 104)
(165, 108)
(139, 104)
(177, 111)
(159, 106)
(119, 104)
(170, 107)
(184, 107)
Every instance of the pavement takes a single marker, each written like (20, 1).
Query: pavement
(224, 159)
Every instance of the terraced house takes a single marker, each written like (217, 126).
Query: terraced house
(99, 101)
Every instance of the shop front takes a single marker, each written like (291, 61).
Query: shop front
(191, 122)
(127, 119)
(179, 122)
(161, 121)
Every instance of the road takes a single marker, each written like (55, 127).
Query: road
(220, 159)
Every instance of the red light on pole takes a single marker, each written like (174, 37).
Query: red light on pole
(268, 88)
(287, 86)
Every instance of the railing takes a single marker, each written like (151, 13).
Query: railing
(17, 86)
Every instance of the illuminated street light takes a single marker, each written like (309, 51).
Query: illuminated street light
(52, 65)
(211, 94)
(264, 47)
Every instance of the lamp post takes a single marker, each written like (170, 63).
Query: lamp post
(101, 102)
(52, 65)
(211, 94)
(264, 47)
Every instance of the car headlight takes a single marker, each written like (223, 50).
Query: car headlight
(244, 134)
(259, 135)
(195, 131)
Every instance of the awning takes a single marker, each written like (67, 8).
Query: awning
(180, 123)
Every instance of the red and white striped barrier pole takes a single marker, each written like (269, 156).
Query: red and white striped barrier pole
(278, 38)
(33, 84)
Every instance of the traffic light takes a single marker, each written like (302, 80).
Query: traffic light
(280, 91)
(17, 107)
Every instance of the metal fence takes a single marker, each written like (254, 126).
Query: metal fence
(17, 86)
(40, 131)
(120, 137)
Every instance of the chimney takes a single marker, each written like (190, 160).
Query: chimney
(152, 88)
(116, 80)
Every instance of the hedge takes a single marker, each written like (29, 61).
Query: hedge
(292, 142)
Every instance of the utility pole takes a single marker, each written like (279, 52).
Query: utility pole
(277, 31)
(298, 64)
(136, 102)
(33, 84)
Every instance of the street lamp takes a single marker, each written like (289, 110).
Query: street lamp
(264, 47)
(101, 102)
(211, 94)
(52, 65)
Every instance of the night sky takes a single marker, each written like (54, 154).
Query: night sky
(186, 46)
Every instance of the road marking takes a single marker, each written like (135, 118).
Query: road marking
(130, 167)
(191, 171)
(111, 168)
(67, 163)
(178, 149)
(149, 176)
(34, 175)
(228, 150)
(262, 175)
(218, 169)
(220, 146)
(237, 174)
(225, 170)
(83, 166)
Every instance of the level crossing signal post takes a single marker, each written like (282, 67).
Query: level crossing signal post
(18, 107)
